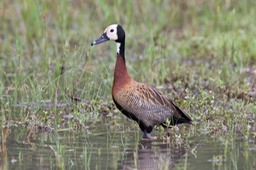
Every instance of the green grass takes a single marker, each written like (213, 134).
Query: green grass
(199, 53)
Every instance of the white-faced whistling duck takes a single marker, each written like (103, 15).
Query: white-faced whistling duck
(139, 102)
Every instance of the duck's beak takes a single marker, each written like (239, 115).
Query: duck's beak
(103, 38)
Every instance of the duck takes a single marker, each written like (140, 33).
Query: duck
(138, 101)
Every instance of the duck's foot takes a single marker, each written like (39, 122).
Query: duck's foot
(147, 136)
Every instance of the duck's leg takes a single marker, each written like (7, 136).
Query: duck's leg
(146, 131)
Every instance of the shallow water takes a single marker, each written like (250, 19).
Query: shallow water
(106, 147)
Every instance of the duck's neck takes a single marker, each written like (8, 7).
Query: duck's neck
(121, 76)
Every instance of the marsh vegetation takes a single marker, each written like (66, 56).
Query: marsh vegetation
(202, 54)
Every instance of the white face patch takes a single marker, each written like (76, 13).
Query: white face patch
(111, 32)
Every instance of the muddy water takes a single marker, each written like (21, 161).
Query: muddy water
(106, 147)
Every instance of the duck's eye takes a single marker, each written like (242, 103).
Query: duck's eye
(112, 30)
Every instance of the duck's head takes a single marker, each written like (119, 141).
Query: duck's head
(113, 32)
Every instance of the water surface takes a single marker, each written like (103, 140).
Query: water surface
(103, 146)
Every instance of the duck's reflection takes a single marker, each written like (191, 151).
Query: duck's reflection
(153, 155)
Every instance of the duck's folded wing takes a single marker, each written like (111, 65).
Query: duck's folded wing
(151, 107)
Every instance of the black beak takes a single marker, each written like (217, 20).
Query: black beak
(103, 38)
